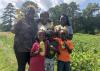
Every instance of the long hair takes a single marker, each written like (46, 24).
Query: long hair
(65, 17)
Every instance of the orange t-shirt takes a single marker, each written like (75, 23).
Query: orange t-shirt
(64, 55)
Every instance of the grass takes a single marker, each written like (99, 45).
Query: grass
(7, 58)
(85, 56)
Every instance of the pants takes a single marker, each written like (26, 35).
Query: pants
(22, 59)
(49, 64)
(63, 66)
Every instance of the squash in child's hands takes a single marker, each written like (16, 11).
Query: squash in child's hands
(42, 48)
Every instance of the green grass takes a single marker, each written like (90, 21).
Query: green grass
(85, 56)
(7, 58)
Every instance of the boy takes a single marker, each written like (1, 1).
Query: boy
(65, 49)
(51, 50)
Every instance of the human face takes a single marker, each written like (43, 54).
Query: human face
(30, 12)
(41, 36)
(63, 35)
(63, 20)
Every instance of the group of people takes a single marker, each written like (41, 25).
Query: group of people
(39, 42)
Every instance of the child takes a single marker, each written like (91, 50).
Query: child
(38, 54)
(51, 49)
(65, 48)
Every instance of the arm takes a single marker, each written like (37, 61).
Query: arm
(70, 36)
(13, 28)
(34, 53)
(69, 46)
(70, 32)
(16, 27)
(35, 49)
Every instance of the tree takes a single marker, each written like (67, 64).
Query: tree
(68, 9)
(90, 9)
(73, 9)
(8, 17)
(55, 13)
(82, 21)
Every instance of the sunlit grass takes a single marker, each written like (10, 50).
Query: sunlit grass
(85, 56)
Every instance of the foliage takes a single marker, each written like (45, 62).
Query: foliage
(85, 21)
(88, 25)
(90, 9)
(85, 56)
(8, 17)
(68, 9)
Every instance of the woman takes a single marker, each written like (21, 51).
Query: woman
(64, 21)
(24, 31)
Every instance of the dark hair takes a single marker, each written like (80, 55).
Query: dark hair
(66, 19)
(44, 14)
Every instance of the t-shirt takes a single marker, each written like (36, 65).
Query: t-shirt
(44, 27)
(70, 30)
(63, 53)
(25, 33)
(67, 28)
(50, 52)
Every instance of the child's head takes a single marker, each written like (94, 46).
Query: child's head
(49, 34)
(41, 35)
(63, 33)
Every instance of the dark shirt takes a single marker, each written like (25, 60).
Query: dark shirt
(25, 32)
(51, 51)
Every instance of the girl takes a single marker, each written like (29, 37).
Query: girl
(38, 53)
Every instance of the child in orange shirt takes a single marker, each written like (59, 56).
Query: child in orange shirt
(65, 49)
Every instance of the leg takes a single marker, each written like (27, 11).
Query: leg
(60, 66)
(22, 59)
(47, 65)
(51, 65)
(67, 66)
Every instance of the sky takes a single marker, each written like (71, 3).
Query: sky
(45, 4)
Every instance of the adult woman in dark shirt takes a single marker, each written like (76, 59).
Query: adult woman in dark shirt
(25, 31)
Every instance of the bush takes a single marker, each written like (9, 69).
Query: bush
(85, 56)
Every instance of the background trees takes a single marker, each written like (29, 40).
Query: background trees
(68, 9)
(83, 21)
(8, 17)
(11, 14)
